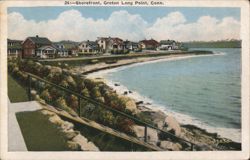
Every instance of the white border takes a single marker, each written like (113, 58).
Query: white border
(244, 154)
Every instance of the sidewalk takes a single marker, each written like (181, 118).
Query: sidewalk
(15, 137)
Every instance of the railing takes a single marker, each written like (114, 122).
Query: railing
(81, 97)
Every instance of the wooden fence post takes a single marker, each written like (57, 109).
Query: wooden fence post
(145, 134)
(29, 88)
(192, 147)
(79, 106)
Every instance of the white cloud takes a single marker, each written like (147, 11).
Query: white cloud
(72, 25)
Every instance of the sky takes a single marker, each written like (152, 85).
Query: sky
(132, 23)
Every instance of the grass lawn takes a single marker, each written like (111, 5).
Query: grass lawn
(39, 133)
(16, 92)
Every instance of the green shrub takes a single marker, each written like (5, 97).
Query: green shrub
(46, 95)
(55, 93)
(71, 82)
(73, 102)
(124, 124)
(89, 83)
(64, 83)
(85, 92)
(94, 92)
(108, 118)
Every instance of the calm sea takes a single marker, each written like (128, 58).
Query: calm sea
(205, 90)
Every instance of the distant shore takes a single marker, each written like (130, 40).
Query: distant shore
(119, 61)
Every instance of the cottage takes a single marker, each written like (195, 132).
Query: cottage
(102, 42)
(14, 48)
(149, 44)
(109, 44)
(115, 43)
(168, 45)
(89, 47)
(68, 46)
(33, 46)
(132, 46)
(46, 52)
(62, 51)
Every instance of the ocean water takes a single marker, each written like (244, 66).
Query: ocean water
(200, 90)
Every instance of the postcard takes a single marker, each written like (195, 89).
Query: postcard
(123, 79)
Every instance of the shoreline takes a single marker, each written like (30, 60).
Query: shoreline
(150, 105)
(100, 66)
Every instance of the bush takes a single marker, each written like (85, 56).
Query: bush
(71, 82)
(46, 96)
(89, 83)
(108, 118)
(79, 83)
(125, 125)
(55, 93)
(64, 84)
(85, 92)
(94, 92)
(61, 103)
(73, 102)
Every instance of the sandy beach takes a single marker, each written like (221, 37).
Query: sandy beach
(91, 68)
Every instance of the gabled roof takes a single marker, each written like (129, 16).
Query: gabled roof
(150, 42)
(40, 40)
(167, 42)
(116, 40)
(14, 41)
(56, 46)
(130, 43)
(91, 44)
(46, 47)
(16, 44)
(111, 39)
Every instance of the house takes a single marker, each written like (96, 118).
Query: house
(88, 47)
(70, 46)
(14, 48)
(149, 44)
(109, 44)
(115, 44)
(46, 52)
(62, 51)
(37, 46)
(169, 45)
(132, 46)
(102, 42)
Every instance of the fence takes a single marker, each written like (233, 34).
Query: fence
(96, 103)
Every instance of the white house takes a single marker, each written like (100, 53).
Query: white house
(88, 47)
(46, 52)
(61, 50)
(108, 44)
(168, 45)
